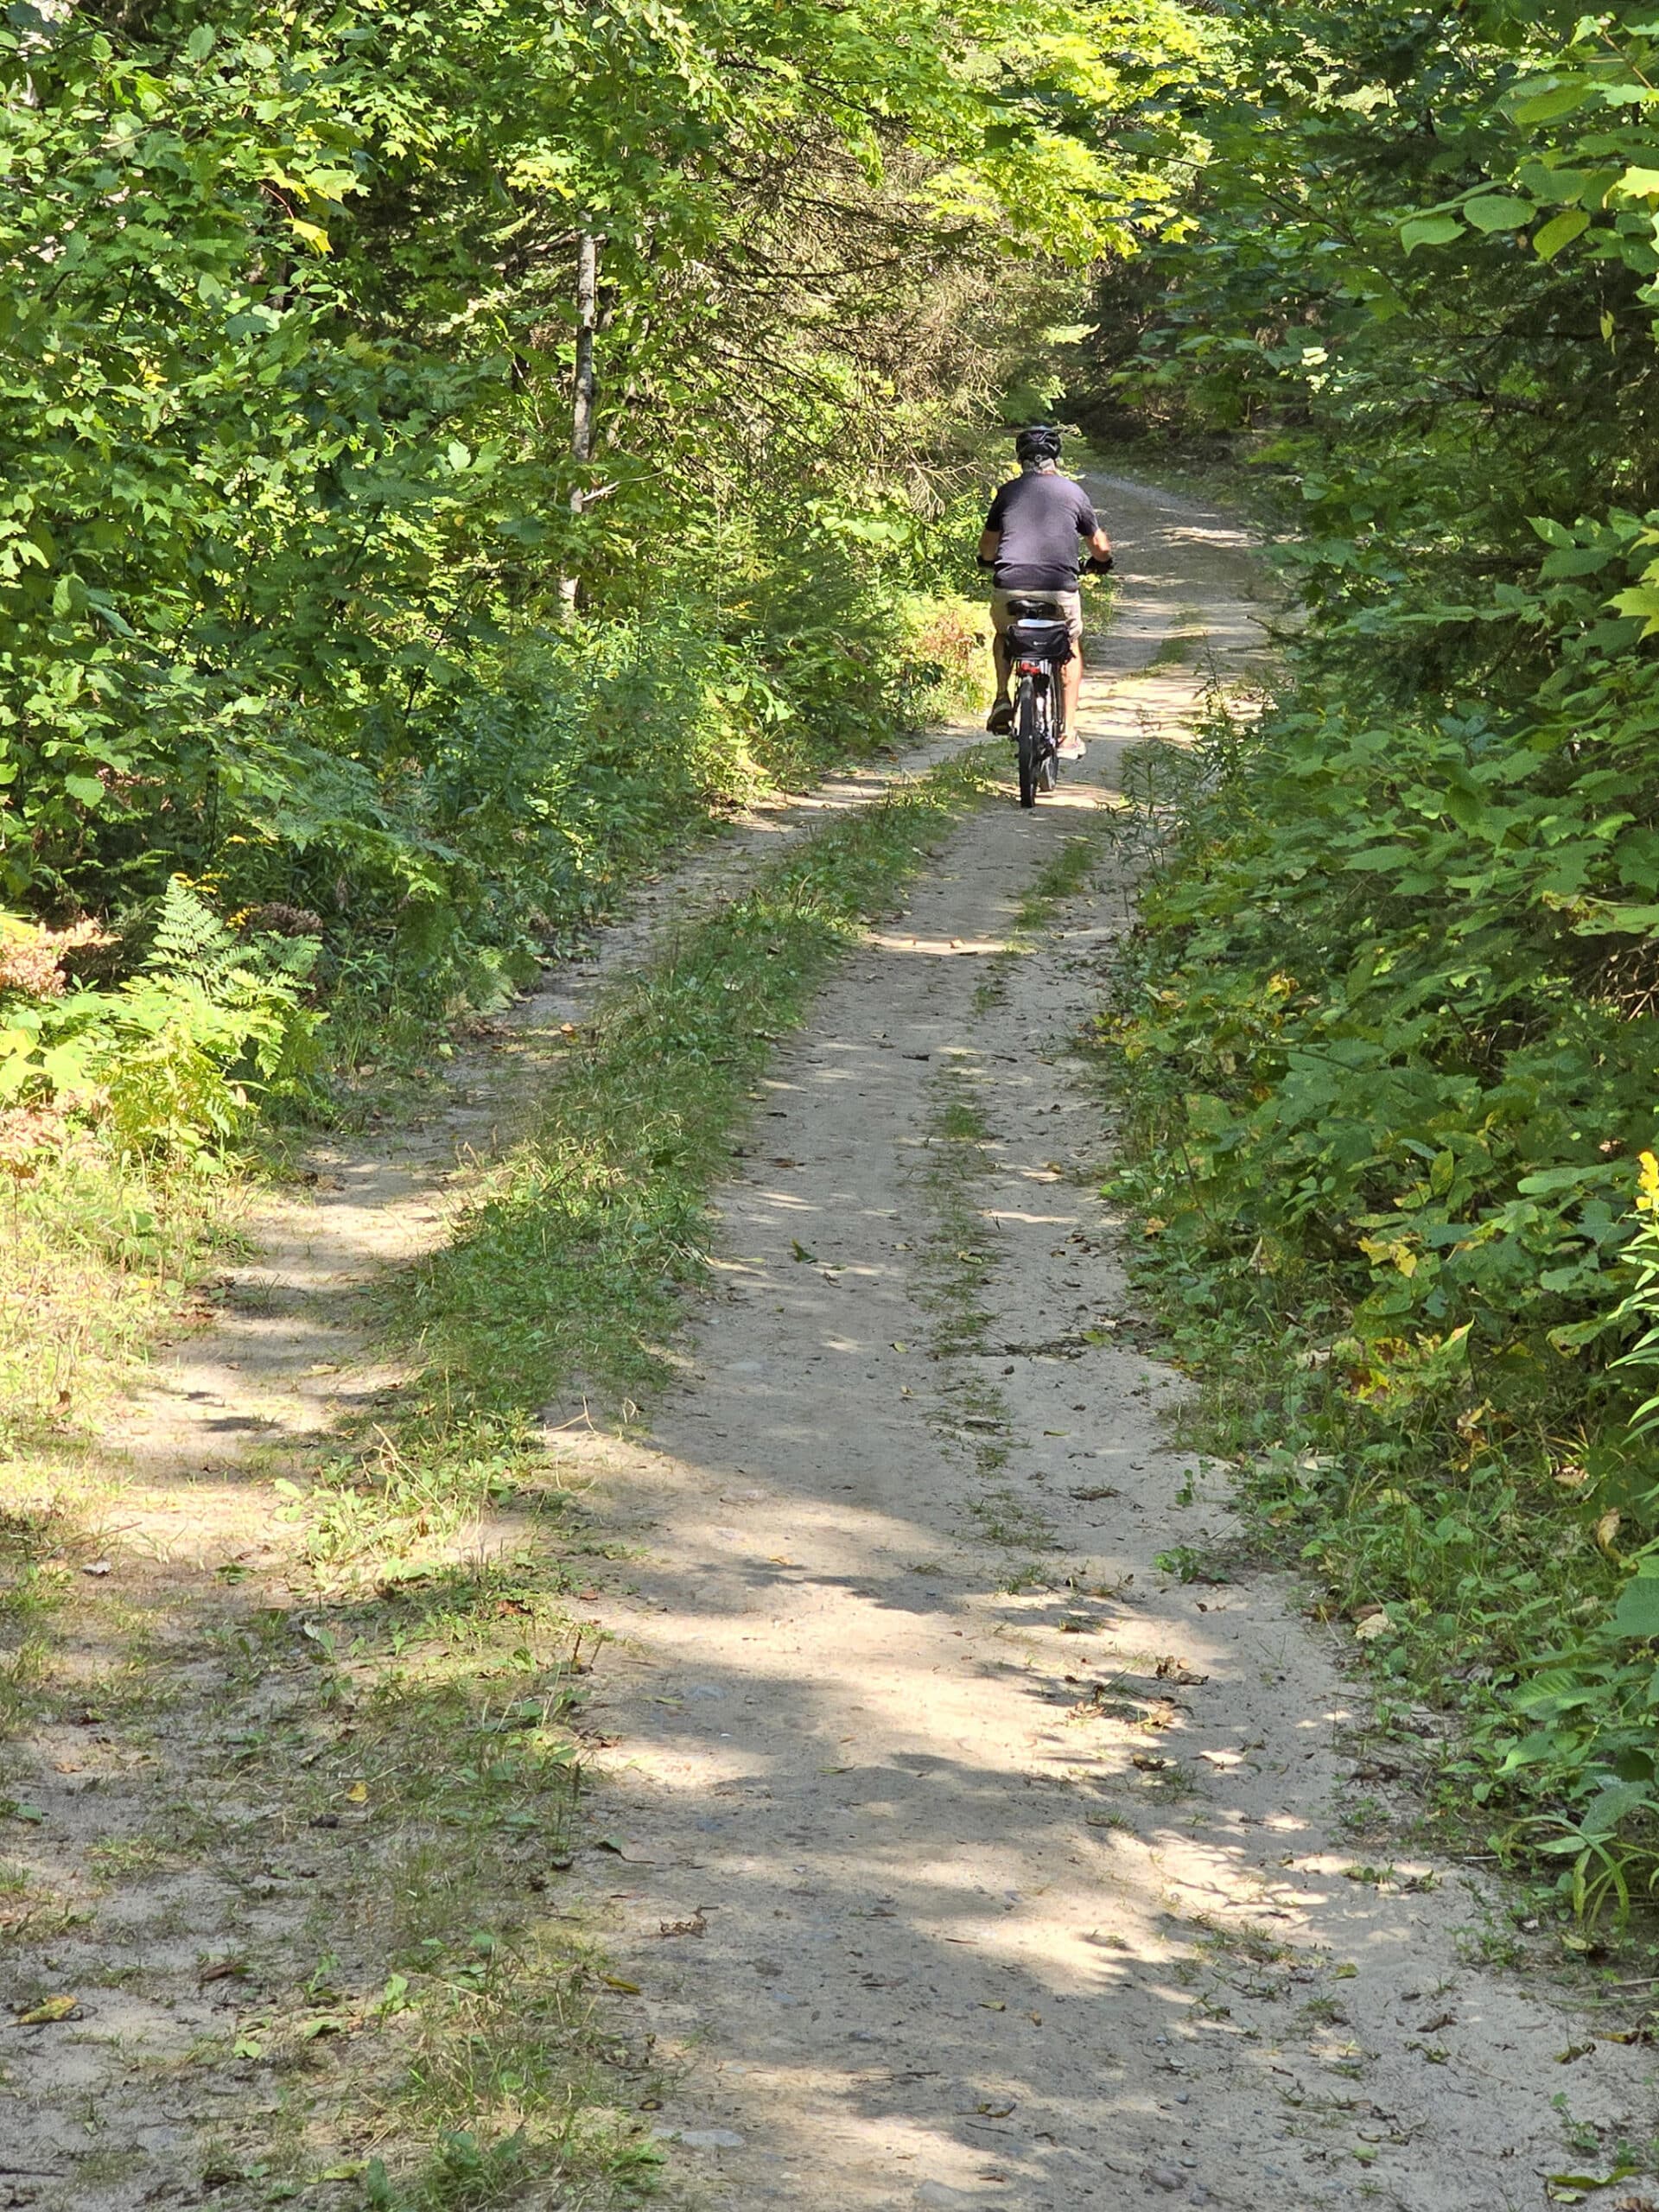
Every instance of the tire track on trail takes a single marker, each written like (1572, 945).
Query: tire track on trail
(964, 1854)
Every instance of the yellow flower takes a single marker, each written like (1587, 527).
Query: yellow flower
(1647, 1200)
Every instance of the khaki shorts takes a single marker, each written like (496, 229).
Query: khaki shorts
(1068, 604)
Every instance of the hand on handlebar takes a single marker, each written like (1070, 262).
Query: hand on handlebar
(1100, 564)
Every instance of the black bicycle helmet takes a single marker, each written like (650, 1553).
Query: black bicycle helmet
(1040, 443)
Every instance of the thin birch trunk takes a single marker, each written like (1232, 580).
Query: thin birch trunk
(581, 415)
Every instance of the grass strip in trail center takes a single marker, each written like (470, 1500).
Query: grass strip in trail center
(566, 1271)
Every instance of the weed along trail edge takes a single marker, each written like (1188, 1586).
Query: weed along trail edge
(979, 1829)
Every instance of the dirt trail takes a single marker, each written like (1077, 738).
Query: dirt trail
(965, 1855)
(291, 1351)
(972, 1858)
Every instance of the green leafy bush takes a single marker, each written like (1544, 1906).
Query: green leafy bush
(1389, 1036)
(1392, 1237)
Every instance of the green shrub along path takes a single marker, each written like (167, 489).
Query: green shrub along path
(1387, 1042)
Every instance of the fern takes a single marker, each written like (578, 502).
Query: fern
(190, 939)
(212, 1018)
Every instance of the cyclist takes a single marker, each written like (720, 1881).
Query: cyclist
(1032, 543)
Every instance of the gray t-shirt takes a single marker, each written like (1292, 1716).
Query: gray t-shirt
(1040, 517)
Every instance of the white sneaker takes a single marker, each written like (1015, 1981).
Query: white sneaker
(1072, 749)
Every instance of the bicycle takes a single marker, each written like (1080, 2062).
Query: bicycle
(1039, 645)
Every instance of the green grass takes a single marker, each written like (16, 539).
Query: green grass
(953, 1267)
(568, 1273)
(1061, 877)
(437, 2026)
(570, 1268)
(98, 1256)
(954, 1263)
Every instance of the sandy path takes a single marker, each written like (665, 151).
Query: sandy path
(996, 1905)
(291, 1351)
(967, 1857)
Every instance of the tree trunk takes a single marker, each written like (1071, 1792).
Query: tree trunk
(581, 415)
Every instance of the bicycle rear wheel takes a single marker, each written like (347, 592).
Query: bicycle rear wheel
(1053, 732)
(1048, 771)
(1028, 739)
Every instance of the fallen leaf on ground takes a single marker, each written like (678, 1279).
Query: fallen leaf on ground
(49, 2009)
(616, 1981)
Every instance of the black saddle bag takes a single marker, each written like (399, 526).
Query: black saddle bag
(1041, 638)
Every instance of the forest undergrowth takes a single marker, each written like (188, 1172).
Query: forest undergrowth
(1385, 1036)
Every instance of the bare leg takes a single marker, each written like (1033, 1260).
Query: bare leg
(1071, 692)
(1004, 666)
